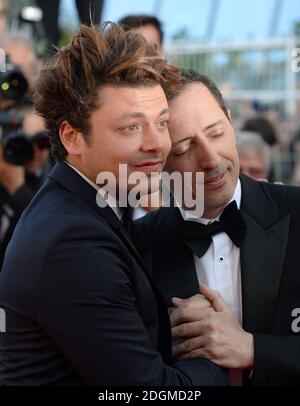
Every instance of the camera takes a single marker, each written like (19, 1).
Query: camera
(13, 84)
(18, 147)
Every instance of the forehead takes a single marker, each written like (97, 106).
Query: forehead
(150, 33)
(117, 100)
(193, 110)
(195, 99)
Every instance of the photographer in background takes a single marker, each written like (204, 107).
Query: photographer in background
(20, 51)
(19, 183)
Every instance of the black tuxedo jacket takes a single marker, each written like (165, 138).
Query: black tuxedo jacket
(80, 305)
(270, 273)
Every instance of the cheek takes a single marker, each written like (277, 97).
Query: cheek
(180, 164)
(167, 145)
(229, 151)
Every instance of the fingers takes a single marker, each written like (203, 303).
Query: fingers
(197, 300)
(214, 297)
(176, 301)
(188, 314)
(192, 329)
(187, 346)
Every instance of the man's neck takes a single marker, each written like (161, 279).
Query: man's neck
(76, 164)
(214, 212)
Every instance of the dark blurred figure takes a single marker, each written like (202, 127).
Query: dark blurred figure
(149, 26)
(263, 127)
(85, 9)
(295, 161)
(18, 184)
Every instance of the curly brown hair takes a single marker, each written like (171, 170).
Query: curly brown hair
(68, 87)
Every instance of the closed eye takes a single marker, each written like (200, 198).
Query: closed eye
(216, 135)
(182, 148)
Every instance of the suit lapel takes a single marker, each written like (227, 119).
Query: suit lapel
(262, 255)
(173, 264)
(69, 179)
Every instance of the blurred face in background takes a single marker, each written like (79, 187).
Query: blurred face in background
(3, 16)
(32, 126)
(203, 140)
(151, 35)
(253, 165)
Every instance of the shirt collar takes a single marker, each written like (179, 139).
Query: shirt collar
(237, 196)
(110, 200)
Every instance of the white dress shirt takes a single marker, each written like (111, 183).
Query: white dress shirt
(220, 269)
(220, 266)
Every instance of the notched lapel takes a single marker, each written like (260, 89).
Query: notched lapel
(262, 258)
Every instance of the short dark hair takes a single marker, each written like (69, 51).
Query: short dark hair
(189, 76)
(136, 21)
(263, 127)
(68, 88)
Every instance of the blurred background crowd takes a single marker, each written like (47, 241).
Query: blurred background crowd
(248, 48)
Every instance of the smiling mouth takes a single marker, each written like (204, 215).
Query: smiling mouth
(216, 181)
(147, 166)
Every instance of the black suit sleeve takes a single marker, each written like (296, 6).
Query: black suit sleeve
(276, 360)
(86, 304)
(20, 199)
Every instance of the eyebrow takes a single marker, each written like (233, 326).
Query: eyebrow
(213, 125)
(139, 114)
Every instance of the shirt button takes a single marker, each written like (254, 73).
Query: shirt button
(221, 258)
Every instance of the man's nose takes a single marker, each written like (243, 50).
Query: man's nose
(208, 156)
(154, 140)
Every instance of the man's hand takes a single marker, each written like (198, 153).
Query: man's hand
(11, 177)
(210, 332)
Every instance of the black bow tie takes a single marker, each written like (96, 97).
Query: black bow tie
(199, 236)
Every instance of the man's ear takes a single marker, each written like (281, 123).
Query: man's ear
(229, 114)
(70, 138)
